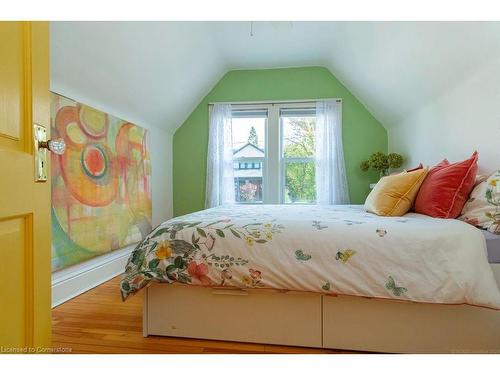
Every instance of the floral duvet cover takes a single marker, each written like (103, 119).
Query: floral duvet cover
(324, 249)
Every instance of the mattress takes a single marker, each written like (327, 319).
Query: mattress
(492, 246)
(340, 250)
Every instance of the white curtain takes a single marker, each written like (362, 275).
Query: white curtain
(220, 178)
(331, 180)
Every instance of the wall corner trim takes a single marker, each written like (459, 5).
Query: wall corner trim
(75, 280)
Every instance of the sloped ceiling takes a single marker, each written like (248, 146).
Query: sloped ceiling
(157, 72)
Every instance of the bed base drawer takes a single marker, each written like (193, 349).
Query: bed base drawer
(404, 327)
(313, 320)
(260, 316)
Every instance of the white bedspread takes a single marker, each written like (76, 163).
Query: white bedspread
(325, 249)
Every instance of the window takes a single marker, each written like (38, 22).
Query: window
(298, 164)
(273, 149)
(249, 153)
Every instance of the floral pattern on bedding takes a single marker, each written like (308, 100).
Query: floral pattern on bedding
(483, 207)
(323, 249)
(164, 257)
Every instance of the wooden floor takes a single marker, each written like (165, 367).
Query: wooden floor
(99, 322)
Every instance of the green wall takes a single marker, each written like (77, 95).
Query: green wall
(362, 133)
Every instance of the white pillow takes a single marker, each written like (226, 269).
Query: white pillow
(483, 207)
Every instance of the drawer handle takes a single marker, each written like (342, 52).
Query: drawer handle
(230, 292)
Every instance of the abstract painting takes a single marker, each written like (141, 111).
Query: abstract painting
(101, 193)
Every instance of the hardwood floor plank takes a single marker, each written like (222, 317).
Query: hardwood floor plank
(99, 322)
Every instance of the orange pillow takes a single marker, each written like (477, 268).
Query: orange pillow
(446, 188)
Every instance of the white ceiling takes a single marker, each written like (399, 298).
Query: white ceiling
(157, 72)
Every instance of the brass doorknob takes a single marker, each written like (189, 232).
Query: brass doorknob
(57, 146)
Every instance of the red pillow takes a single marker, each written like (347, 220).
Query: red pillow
(446, 188)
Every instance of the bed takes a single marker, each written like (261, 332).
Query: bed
(319, 276)
(492, 246)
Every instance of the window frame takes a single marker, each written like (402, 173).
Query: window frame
(285, 160)
(273, 165)
(263, 160)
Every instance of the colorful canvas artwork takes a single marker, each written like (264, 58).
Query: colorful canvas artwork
(101, 193)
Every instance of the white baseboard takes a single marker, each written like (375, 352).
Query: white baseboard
(75, 280)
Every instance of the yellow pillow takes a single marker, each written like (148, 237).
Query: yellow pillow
(394, 195)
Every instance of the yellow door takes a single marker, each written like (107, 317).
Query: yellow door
(24, 203)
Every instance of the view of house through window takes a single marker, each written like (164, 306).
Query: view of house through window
(249, 132)
(290, 131)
